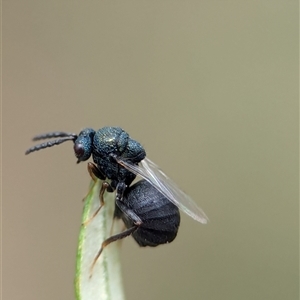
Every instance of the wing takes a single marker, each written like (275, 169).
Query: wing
(151, 172)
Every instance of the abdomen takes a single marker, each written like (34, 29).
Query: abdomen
(160, 217)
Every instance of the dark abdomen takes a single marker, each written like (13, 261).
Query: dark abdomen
(160, 217)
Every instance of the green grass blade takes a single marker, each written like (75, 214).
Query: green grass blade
(106, 280)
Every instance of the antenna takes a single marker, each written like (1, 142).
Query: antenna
(63, 135)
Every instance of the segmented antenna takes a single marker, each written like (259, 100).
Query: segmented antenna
(65, 137)
(54, 134)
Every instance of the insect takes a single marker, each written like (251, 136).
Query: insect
(149, 208)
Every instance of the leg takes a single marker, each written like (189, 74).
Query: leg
(102, 191)
(129, 214)
(120, 189)
(117, 215)
(111, 239)
(95, 174)
(119, 196)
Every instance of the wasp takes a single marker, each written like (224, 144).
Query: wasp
(150, 207)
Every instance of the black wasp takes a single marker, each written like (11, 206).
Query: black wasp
(149, 208)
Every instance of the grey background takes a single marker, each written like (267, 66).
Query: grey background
(210, 88)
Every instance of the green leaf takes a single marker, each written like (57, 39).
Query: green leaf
(105, 281)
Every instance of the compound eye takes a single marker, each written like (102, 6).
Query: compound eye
(83, 144)
(79, 150)
(82, 149)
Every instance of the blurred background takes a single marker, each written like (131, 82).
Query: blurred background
(209, 88)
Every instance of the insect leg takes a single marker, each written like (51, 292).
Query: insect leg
(102, 191)
(95, 174)
(111, 239)
(130, 214)
(120, 189)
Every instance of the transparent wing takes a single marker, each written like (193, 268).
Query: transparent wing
(151, 172)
